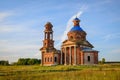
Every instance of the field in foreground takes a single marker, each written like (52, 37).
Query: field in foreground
(84, 72)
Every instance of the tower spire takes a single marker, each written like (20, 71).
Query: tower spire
(76, 21)
(48, 36)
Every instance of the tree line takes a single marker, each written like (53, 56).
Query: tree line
(22, 61)
(3, 62)
(27, 61)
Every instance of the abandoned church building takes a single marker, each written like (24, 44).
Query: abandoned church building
(76, 50)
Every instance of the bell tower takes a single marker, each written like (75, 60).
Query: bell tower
(48, 41)
(49, 55)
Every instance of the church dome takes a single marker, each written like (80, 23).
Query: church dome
(76, 33)
(76, 28)
(77, 19)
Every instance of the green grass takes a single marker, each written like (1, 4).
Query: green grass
(84, 72)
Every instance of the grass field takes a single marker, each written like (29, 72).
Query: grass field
(84, 72)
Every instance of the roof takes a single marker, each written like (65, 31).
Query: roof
(88, 49)
(85, 43)
(76, 28)
(76, 18)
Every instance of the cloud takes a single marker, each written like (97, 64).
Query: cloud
(5, 15)
(10, 28)
(116, 51)
(111, 36)
(38, 55)
(113, 55)
(18, 27)
(9, 45)
(6, 26)
(12, 50)
(18, 39)
(10, 58)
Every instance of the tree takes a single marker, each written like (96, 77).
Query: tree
(3, 62)
(23, 61)
(31, 62)
(28, 61)
(103, 60)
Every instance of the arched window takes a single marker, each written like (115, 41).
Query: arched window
(51, 59)
(43, 52)
(51, 36)
(45, 35)
(51, 44)
(89, 58)
(48, 59)
(71, 37)
(55, 59)
(45, 44)
(78, 37)
(45, 59)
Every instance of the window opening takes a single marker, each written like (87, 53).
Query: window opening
(88, 58)
(55, 59)
(45, 59)
(48, 59)
(51, 59)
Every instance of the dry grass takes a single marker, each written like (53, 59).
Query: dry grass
(90, 72)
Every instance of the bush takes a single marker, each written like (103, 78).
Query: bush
(28, 61)
(103, 60)
(2, 62)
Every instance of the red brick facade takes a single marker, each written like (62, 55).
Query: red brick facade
(50, 56)
(76, 50)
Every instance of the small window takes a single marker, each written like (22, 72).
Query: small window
(89, 58)
(45, 44)
(51, 59)
(45, 35)
(71, 37)
(48, 59)
(45, 59)
(78, 37)
(51, 44)
(55, 59)
(51, 36)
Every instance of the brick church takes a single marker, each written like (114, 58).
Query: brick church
(76, 50)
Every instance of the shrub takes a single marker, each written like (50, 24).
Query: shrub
(28, 61)
(2, 62)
